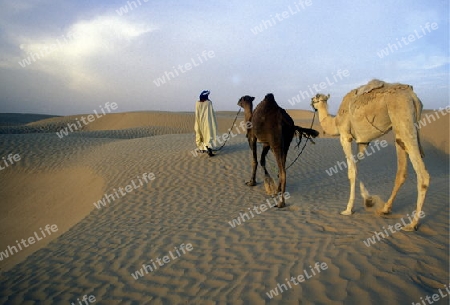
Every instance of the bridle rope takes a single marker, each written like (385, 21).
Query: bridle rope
(229, 131)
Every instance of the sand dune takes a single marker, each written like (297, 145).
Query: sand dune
(32, 200)
(194, 200)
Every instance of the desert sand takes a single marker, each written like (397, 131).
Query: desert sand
(180, 224)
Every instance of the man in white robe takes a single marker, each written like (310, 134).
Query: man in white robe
(205, 124)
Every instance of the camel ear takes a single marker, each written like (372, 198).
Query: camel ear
(328, 96)
(248, 98)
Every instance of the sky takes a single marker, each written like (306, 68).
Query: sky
(66, 57)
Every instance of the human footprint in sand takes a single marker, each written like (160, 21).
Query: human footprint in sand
(205, 124)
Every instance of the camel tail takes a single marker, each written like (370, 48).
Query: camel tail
(307, 131)
(418, 106)
(422, 153)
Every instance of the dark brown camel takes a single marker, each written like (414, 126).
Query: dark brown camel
(274, 128)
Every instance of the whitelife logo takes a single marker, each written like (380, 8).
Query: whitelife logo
(318, 267)
(146, 269)
(194, 62)
(31, 240)
(90, 118)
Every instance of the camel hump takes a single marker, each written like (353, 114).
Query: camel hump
(372, 85)
(269, 97)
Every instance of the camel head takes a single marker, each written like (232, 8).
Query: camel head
(246, 102)
(318, 100)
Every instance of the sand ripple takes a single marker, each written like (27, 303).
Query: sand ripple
(192, 200)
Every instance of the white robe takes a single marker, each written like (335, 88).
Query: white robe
(205, 125)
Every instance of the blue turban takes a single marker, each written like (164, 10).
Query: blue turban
(204, 95)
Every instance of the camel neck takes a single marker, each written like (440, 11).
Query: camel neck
(327, 122)
(325, 117)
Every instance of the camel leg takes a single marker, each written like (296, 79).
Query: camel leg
(253, 147)
(281, 160)
(346, 142)
(269, 184)
(423, 178)
(362, 147)
(407, 137)
(400, 177)
(368, 200)
(264, 152)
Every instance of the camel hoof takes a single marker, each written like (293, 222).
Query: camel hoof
(410, 228)
(346, 212)
(384, 212)
(369, 202)
(250, 183)
(281, 205)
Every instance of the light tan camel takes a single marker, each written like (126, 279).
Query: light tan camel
(274, 128)
(369, 112)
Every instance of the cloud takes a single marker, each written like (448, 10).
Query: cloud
(76, 55)
(423, 62)
(91, 54)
